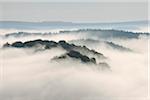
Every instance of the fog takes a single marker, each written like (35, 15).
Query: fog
(30, 75)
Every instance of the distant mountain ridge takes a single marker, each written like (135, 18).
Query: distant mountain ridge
(99, 33)
(97, 42)
(61, 24)
(139, 21)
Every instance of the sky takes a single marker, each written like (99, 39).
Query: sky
(73, 0)
(74, 11)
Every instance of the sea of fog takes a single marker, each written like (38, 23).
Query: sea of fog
(29, 75)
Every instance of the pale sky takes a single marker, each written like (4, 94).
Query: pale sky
(74, 12)
(73, 0)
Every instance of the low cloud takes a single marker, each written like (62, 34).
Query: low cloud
(29, 75)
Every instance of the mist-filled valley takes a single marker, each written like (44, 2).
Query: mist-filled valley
(74, 64)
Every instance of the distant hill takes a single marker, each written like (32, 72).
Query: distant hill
(66, 25)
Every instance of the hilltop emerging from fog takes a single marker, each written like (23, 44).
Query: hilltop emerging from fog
(81, 53)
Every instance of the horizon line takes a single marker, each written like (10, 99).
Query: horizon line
(73, 22)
